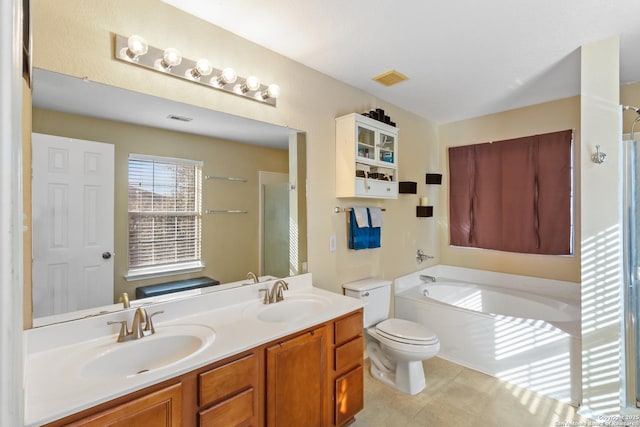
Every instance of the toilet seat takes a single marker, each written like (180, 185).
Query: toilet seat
(406, 332)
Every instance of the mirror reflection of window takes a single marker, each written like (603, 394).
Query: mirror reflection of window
(165, 215)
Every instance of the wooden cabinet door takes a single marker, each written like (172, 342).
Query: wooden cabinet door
(157, 409)
(349, 395)
(296, 380)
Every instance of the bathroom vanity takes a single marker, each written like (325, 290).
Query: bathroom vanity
(295, 362)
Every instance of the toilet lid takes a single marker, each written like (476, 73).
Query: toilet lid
(406, 331)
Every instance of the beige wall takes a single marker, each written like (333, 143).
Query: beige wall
(630, 95)
(537, 119)
(76, 37)
(230, 242)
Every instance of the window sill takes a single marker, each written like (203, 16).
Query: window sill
(163, 271)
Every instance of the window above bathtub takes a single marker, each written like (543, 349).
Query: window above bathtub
(514, 195)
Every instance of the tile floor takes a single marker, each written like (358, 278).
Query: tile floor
(458, 397)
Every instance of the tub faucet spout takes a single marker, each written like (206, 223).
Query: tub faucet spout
(426, 278)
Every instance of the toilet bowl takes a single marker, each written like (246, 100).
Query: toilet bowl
(396, 347)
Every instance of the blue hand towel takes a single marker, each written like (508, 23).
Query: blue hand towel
(375, 232)
(358, 237)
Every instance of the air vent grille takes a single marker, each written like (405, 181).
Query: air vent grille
(179, 118)
(390, 78)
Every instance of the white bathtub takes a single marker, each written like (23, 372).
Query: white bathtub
(520, 329)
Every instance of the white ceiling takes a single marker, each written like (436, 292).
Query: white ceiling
(464, 58)
(74, 95)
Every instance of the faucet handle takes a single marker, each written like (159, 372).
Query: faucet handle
(265, 300)
(149, 325)
(124, 330)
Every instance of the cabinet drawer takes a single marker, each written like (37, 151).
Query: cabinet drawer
(376, 188)
(348, 328)
(349, 354)
(349, 394)
(227, 379)
(235, 411)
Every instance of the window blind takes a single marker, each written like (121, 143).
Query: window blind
(165, 211)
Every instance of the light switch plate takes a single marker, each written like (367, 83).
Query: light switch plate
(332, 243)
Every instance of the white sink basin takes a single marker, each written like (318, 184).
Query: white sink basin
(168, 346)
(292, 308)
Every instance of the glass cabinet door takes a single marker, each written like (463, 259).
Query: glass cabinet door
(387, 148)
(366, 143)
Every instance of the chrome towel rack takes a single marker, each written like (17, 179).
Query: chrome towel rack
(228, 211)
(226, 178)
(338, 209)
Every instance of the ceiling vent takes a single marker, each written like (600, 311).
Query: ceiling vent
(390, 78)
(179, 118)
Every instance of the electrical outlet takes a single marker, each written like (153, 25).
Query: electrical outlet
(332, 243)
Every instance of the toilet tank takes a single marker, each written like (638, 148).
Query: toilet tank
(376, 294)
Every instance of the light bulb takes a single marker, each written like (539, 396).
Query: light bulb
(227, 76)
(171, 58)
(273, 91)
(203, 68)
(136, 46)
(251, 83)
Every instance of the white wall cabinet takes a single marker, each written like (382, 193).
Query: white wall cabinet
(366, 158)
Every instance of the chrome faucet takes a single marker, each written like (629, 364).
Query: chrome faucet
(276, 294)
(124, 299)
(426, 278)
(137, 330)
(251, 275)
(421, 256)
(276, 291)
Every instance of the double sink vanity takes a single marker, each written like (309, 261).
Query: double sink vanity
(230, 357)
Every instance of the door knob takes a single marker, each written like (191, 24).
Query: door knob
(106, 255)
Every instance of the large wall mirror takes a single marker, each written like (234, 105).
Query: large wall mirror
(257, 219)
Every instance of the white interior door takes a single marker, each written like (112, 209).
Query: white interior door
(72, 202)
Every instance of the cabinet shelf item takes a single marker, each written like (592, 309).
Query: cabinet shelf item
(366, 158)
(433, 178)
(408, 187)
(424, 211)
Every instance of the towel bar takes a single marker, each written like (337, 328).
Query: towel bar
(338, 209)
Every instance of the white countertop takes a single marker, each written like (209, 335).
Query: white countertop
(54, 389)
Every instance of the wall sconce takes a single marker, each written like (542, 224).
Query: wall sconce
(135, 50)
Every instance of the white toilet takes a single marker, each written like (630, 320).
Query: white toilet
(396, 347)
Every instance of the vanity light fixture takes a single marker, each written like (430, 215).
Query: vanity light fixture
(170, 58)
(227, 76)
(135, 50)
(136, 46)
(250, 84)
(203, 68)
(273, 91)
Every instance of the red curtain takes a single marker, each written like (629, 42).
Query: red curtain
(512, 195)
